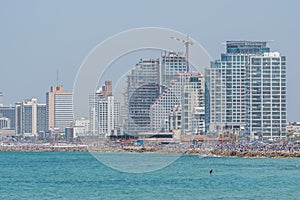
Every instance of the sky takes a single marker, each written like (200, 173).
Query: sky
(40, 37)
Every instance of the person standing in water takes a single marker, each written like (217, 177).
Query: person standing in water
(210, 172)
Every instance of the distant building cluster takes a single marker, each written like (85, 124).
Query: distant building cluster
(243, 92)
(32, 119)
(154, 87)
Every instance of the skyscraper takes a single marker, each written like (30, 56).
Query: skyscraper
(109, 115)
(193, 104)
(104, 111)
(172, 63)
(227, 90)
(26, 118)
(230, 86)
(59, 108)
(146, 82)
(94, 99)
(101, 94)
(41, 118)
(266, 95)
(143, 88)
(30, 118)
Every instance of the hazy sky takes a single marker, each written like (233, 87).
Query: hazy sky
(39, 37)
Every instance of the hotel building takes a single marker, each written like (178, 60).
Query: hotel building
(30, 118)
(59, 108)
(234, 83)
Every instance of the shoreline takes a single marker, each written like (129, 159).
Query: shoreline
(135, 149)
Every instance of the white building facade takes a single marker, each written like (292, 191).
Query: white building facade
(266, 96)
(246, 90)
(186, 93)
(30, 118)
(4, 123)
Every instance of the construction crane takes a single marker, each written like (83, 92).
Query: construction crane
(187, 42)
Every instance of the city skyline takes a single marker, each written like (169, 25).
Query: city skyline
(149, 99)
(33, 47)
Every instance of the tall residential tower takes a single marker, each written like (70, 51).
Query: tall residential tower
(104, 111)
(30, 118)
(266, 95)
(234, 81)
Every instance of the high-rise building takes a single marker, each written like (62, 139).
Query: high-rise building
(143, 88)
(94, 99)
(10, 113)
(172, 63)
(148, 101)
(26, 118)
(41, 121)
(227, 90)
(228, 82)
(193, 104)
(104, 111)
(30, 118)
(266, 95)
(109, 115)
(59, 108)
(186, 93)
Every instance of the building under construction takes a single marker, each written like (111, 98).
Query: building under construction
(143, 88)
(171, 64)
(154, 89)
(186, 94)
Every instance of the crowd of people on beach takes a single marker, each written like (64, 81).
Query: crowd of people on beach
(257, 149)
(250, 149)
(241, 149)
(258, 146)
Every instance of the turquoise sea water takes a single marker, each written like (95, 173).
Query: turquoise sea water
(80, 176)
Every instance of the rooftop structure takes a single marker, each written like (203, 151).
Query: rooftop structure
(246, 47)
(266, 96)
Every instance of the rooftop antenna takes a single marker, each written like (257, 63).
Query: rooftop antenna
(1, 98)
(57, 78)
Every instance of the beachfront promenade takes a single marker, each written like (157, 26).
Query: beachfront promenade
(256, 149)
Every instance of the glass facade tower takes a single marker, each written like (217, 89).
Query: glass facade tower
(233, 83)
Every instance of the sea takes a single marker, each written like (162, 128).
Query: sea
(77, 175)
